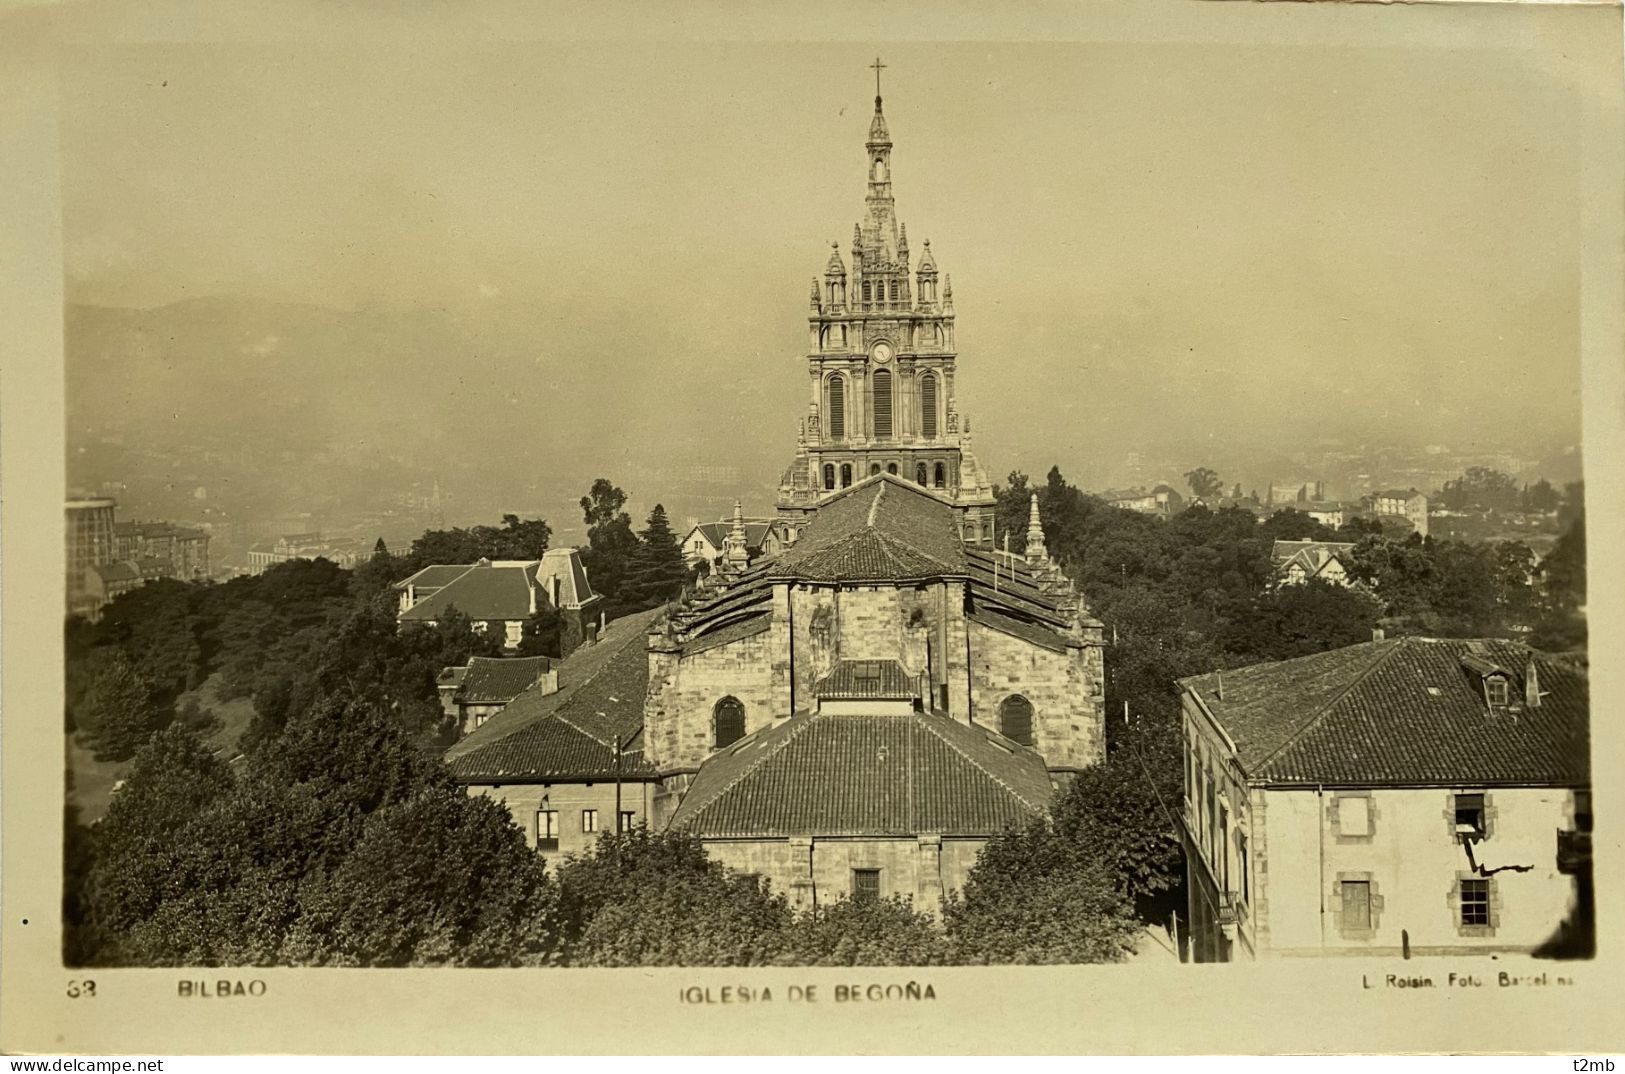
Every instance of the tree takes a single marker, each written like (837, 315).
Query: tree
(439, 878)
(1481, 488)
(1235, 493)
(120, 710)
(864, 932)
(647, 898)
(611, 542)
(656, 572)
(1032, 897)
(1204, 482)
(1541, 496)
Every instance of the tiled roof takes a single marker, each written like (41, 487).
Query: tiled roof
(881, 528)
(867, 679)
(738, 630)
(570, 733)
(1407, 711)
(829, 774)
(1283, 552)
(435, 576)
(499, 679)
(482, 592)
(452, 676)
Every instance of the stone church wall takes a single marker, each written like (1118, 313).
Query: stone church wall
(678, 731)
(1065, 690)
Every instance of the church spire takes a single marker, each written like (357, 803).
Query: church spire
(1036, 552)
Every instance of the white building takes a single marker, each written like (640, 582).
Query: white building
(1409, 796)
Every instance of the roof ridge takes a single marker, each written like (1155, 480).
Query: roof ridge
(874, 505)
(924, 719)
(789, 736)
(1382, 658)
(889, 541)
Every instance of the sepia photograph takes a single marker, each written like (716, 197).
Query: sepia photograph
(849, 514)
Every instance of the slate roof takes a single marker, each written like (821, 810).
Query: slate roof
(570, 734)
(1404, 711)
(881, 528)
(565, 564)
(435, 576)
(826, 774)
(498, 680)
(867, 679)
(717, 532)
(482, 592)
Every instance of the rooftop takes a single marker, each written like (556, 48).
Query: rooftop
(572, 732)
(499, 679)
(1405, 711)
(897, 775)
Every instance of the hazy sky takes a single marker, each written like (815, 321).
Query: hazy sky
(1151, 242)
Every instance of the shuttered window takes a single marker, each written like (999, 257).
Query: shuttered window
(882, 404)
(837, 408)
(1356, 904)
(928, 406)
(865, 885)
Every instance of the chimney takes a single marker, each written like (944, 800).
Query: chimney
(1531, 685)
(1377, 634)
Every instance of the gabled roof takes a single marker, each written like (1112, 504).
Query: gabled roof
(498, 680)
(482, 592)
(1283, 552)
(882, 528)
(897, 775)
(756, 531)
(871, 679)
(1404, 711)
(570, 733)
(435, 575)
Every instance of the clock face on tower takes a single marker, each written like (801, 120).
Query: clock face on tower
(881, 353)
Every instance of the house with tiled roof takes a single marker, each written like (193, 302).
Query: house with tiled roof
(863, 711)
(1405, 796)
(566, 755)
(475, 692)
(504, 594)
(1297, 562)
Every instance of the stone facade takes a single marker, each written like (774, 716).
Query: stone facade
(881, 362)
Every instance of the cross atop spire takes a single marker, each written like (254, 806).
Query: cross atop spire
(878, 67)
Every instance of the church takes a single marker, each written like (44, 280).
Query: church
(857, 714)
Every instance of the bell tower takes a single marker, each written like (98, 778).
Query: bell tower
(880, 367)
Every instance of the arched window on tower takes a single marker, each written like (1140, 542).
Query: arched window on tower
(942, 476)
(891, 468)
(919, 473)
(874, 468)
(866, 292)
(882, 382)
(1016, 719)
(829, 476)
(928, 406)
(837, 408)
(846, 474)
(727, 722)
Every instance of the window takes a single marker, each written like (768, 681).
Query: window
(589, 820)
(942, 476)
(1475, 903)
(891, 468)
(1495, 689)
(1241, 864)
(928, 407)
(919, 473)
(846, 474)
(829, 476)
(1469, 810)
(728, 722)
(882, 382)
(1354, 816)
(865, 885)
(837, 408)
(874, 468)
(866, 291)
(547, 829)
(628, 821)
(1356, 904)
(1016, 719)
(866, 679)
